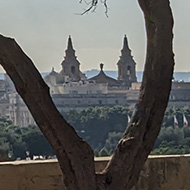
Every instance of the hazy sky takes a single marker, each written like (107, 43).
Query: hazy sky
(42, 28)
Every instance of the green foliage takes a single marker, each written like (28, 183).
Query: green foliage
(95, 124)
(15, 141)
(35, 142)
(172, 140)
(101, 127)
(112, 140)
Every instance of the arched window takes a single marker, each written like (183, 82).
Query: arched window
(73, 69)
(128, 70)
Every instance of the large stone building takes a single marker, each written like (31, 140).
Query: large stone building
(71, 89)
(70, 80)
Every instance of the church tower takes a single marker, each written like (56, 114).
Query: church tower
(126, 65)
(70, 64)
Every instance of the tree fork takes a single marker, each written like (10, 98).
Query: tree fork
(74, 155)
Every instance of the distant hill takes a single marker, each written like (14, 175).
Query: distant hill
(178, 76)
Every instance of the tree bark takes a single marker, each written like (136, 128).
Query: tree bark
(133, 149)
(74, 155)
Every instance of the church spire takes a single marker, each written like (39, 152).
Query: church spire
(70, 64)
(70, 52)
(125, 49)
(125, 43)
(126, 65)
(69, 45)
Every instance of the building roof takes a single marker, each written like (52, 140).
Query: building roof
(103, 78)
(53, 72)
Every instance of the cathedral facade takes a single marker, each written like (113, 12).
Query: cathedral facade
(70, 77)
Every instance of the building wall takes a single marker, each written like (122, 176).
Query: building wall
(181, 85)
(71, 101)
(18, 112)
(83, 87)
(159, 173)
(80, 95)
(135, 86)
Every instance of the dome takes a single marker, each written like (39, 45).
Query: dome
(103, 78)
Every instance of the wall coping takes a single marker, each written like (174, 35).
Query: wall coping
(97, 159)
(162, 172)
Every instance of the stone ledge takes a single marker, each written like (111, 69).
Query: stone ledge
(160, 172)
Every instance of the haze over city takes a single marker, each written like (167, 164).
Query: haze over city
(42, 29)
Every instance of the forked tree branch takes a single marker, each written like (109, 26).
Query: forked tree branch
(92, 5)
(75, 155)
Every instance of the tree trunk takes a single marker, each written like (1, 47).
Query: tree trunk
(133, 149)
(74, 155)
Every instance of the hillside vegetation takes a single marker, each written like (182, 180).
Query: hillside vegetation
(102, 127)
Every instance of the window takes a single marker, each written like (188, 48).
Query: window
(89, 92)
(73, 92)
(128, 70)
(99, 91)
(73, 69)
(99, 102)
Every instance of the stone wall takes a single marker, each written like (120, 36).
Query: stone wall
(159, 173)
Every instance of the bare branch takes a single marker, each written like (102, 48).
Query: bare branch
(106, 7)
(93, 5)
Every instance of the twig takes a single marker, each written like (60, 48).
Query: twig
(93, 5)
